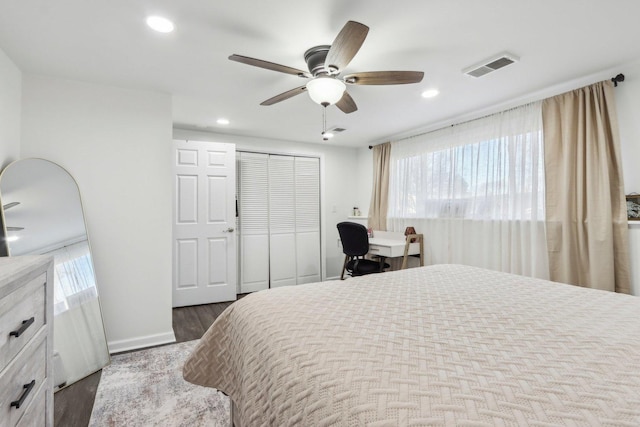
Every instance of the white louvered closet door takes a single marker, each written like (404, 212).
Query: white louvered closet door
(253, 221)
(282, 220)
(307, 195)
(279, 220)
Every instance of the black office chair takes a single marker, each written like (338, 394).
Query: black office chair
(355, 245)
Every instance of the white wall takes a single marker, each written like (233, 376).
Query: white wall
(338, 170)
(364, 166)
(10, 107)
(628, 107)
(117, 145)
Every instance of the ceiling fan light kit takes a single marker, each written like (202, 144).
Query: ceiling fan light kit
(325, 63)
(326, 90)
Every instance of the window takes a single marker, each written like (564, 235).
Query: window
(476, 191)
(490, 179)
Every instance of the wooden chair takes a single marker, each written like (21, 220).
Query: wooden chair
(419, 238)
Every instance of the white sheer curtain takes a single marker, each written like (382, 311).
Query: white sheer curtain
(476, 191)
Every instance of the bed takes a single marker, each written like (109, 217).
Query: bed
(444, 345)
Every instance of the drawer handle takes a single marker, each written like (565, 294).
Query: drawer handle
(25, 393)
(25, 325)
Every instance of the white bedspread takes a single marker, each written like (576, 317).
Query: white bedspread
(440, 345)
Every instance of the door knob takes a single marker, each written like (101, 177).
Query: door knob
(229, 230)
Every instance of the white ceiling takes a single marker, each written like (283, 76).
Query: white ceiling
(107, 42)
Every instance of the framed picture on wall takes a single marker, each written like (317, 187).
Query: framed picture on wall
(633, 207)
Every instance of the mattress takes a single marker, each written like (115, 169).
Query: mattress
(443, 345)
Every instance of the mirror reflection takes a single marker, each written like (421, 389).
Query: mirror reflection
(43, 214)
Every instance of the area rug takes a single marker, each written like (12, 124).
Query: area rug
(145, 388)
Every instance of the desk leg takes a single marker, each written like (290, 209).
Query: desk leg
(382, 260)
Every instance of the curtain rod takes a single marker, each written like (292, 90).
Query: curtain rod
(617, 79)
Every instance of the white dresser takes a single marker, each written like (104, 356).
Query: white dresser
(26, 333)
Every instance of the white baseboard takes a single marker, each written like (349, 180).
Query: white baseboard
(141, 342)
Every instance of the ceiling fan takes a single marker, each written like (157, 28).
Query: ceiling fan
(325, 63)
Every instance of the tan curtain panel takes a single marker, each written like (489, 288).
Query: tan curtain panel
(586, 216)
(380, 192)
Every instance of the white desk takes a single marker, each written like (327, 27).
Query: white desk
(390, 244)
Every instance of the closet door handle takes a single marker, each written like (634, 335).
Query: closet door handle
(25, 325)
(229, 230)
(25, 393)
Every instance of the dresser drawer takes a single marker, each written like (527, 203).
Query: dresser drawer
(36, 414)
(30, 365)
(22, 313)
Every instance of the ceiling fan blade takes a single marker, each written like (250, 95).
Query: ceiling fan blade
(269, 65)
(384, 78)
(285, 95)
(346, 45)
(347, 104)
(10, 205)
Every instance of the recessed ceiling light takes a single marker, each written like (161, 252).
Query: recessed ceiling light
(160, 24)
(430, 93)
(222, 121)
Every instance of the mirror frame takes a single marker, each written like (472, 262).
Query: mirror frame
(5, 250)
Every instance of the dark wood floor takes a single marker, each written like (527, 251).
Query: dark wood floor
(73, 405)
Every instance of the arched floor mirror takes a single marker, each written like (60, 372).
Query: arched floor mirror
(42, 214)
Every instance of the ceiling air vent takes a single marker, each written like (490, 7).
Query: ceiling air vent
(491, 64)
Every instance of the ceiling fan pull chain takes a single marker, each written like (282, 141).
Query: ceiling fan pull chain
(324, 123)
(324, 119)
(326, 135)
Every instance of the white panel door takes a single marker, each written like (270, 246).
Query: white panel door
(282, 221)
(204, 242)
(253, 221)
